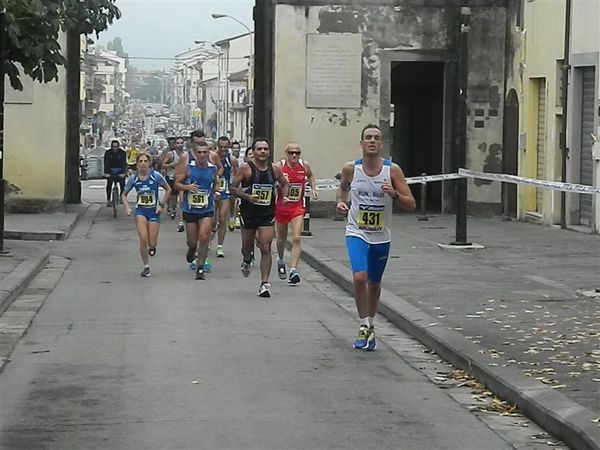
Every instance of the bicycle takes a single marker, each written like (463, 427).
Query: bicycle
(114, 178)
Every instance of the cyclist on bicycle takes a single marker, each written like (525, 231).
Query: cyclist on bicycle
(115, 167)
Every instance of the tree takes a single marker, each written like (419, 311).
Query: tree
(33, 28)
(116, 45)
(29, 46)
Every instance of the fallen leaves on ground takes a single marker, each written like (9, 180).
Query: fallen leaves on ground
(486, 400)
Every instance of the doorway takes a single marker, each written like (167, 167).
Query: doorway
(510, 153)
(417, 98)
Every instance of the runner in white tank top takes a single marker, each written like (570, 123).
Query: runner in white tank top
(373, 184)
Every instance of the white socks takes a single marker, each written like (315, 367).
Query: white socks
(368, 321)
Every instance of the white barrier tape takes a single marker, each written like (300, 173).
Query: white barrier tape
(428, 178)
(331, 185)
(544, 184)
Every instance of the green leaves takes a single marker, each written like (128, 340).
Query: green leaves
(33, 29)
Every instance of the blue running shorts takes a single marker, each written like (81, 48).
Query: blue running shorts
(149, 214)
(365, 257)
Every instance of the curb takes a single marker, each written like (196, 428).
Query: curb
(61, 235)
(552, 410)
(35, 235)
(17, 281)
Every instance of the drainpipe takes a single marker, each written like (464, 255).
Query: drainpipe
(565, 97)
(3, 45)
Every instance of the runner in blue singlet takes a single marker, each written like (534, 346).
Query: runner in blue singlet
(199, 183)
(230, 167)
(373, 184)
(146, 182)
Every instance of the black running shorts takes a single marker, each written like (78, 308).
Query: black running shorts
(252, 222)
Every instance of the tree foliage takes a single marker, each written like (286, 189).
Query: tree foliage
(116, 45)
(33, 28)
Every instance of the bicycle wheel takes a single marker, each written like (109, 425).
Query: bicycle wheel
(115, 195)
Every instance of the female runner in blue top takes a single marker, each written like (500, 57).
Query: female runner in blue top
(146, 182)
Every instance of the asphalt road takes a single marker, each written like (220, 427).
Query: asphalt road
(114, 361)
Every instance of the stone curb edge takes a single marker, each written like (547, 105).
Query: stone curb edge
(61, 235)
(552, 410)
(17, 281)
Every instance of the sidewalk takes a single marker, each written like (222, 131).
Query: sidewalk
(42, 227)
(509, 313)
(25, 259)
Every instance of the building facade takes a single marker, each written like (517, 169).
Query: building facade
(35, 124)
(337, 67)
(583, 159)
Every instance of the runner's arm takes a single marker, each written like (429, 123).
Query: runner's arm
(214, 158)
(235, 166)
(311, 180)
(399, 190)
(344, 188)
(181, 166)
(179, 178)
(126, 191)
(283, 182)
(167, 162)
(243, 173)
(167, 193)
(217, 183)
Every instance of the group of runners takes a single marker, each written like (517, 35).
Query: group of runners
(202, 186)
(204, 183)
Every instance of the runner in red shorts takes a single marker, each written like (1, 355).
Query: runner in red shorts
(297, 172)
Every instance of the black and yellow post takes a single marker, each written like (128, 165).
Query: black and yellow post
(306, 227)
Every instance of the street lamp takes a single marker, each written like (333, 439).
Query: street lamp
(220, 16)
(250, 71)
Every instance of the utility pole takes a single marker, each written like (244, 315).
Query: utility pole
(460, 131)
(73, 103)
(3, 44)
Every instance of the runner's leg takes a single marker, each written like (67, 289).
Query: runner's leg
(191, 233)
(296, 224)
(203, 238)
(141, 224)
(223, 219)
(265, 239)
(282, 231)
(153, 229)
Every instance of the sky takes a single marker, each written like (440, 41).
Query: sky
(164, 28)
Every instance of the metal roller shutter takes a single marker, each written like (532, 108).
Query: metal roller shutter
(541, 142)
(586, 164)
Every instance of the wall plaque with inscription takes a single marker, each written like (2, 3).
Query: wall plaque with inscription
(333, 70)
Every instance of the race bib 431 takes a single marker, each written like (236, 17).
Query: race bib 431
(371, 217)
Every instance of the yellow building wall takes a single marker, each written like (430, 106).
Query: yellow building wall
(544, 25)
(34, 140)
